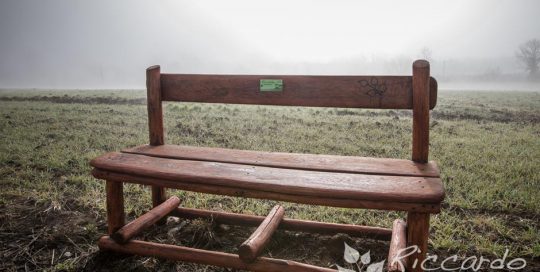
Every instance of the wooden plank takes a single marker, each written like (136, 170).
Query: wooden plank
(286, 223)
(279, 196)
(397, 243)
(381, 92)
(252, 248)
(325, 163)
(155, 111)
(146, 220)
(115, 205)
(417, 235)
(207, 257)
(420, 111)
(299, 182)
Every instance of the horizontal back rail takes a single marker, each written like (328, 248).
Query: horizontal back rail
(381, 92)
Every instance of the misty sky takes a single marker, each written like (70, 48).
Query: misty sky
(108, 44)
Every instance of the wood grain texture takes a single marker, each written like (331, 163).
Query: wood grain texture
(115, 205)
(158, 197)
(397, 243)
(250, 249)
(278, 180)
(146, 220)
(155, 111)
(207, 257)
(381, 92)
(155, 122)
(420, 111)
(286, 223)
(324, 163)
(325, 200)
(417, 235)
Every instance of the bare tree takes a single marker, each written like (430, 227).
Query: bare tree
(426, 53)
(529, 56)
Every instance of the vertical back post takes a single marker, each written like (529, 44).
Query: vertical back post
(420, 85)
(155, 112)
(155, 121)
(418, 223)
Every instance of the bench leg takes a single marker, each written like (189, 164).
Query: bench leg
(115, 206)
(158, 197)
(417, 234)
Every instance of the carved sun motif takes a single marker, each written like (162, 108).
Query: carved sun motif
(374, 88)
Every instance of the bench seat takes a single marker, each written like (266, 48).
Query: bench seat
(342, 181)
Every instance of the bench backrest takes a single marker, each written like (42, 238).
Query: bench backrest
(417, 92)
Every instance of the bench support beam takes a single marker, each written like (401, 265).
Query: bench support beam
(286, 223)
(115, 205)
(254, 245)
(138, 225)
(397, 243)
(417, 235)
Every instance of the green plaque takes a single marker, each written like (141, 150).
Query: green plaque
(271, 85)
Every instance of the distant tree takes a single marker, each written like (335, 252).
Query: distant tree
(426, 53)
(528, 55)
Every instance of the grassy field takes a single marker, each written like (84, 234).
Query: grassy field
(52, 211)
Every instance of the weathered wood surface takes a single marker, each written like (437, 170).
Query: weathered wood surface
(115, 205)
(146, 220)
(158, 196)
(417, 235)
(325, 163)
(286, 223)
(155, 121)
(155, 111)
(382, 92)
(325, 200)
(186, 254)
(420, 111)
(278, 180)
(397, 243)
(250, 249)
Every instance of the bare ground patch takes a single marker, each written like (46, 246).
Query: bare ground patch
(36, 236)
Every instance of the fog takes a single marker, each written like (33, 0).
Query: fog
(108, 44)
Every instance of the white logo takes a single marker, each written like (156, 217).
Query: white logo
(472, 263)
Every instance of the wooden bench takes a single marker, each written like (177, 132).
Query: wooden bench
(413, 185)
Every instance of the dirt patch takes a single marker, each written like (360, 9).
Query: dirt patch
(325, 251)
(37, 236)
